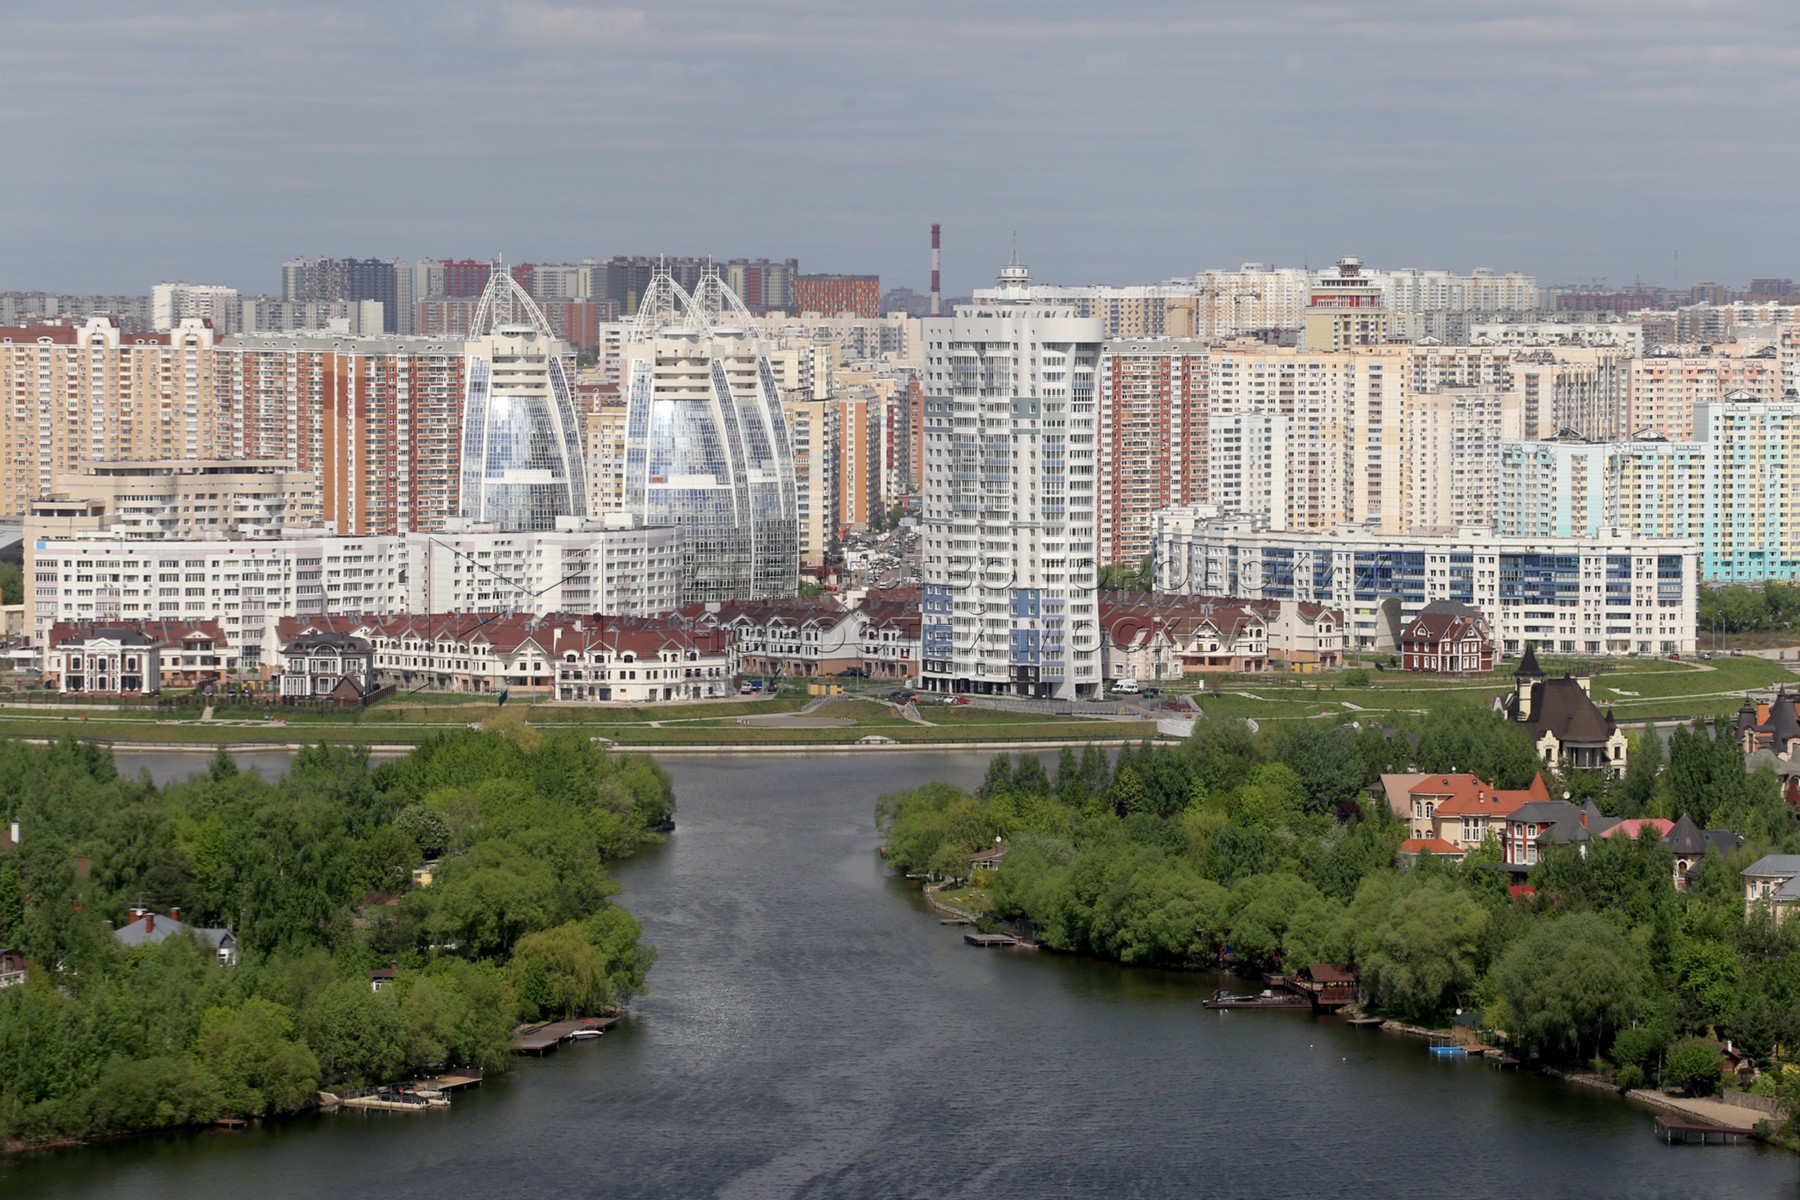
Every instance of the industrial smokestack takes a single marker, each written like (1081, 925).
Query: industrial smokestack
(937, 283)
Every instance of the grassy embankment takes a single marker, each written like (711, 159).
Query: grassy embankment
(1636, 690)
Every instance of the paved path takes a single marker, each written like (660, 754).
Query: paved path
(1714, 1112)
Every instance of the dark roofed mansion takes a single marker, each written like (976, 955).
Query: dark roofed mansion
(1567, 728)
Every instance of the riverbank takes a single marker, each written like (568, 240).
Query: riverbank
(681, 750)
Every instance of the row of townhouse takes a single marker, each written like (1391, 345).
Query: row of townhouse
(137, 658)
(1449, 815)
(576, 658)
(1164, 637)
(877, 636)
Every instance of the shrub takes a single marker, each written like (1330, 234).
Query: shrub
(1356, 678)
(1629, 1076)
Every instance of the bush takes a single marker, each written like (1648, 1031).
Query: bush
(1629, 1076)
(1693, 1066)
(1356, 678)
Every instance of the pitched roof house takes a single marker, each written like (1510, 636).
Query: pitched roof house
(1772, 880)
(148, 929)
(1447, 638)
(1567, 728)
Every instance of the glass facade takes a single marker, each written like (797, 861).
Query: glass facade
(707, 450)
(522, 463)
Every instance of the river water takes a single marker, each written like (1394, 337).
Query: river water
(813, 1032)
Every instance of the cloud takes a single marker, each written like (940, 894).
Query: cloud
(1127, 143)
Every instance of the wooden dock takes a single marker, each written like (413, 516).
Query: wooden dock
(542, 1039)
(394, 1102)
(988, 941)
(453, 1080)
(1673, 1129)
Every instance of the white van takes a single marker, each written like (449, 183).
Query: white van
(1126, 687)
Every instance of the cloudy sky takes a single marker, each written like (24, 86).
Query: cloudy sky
(1124, 142)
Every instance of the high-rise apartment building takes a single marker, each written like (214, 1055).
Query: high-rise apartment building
(1153, 439)
(1247, 466)
(1011, 465)
(1344, 310)
(131, 313)
(603, 434)
(355, 318)
(523, 463)
(1729, 488)
(71, 394)
(388, 282)
(707, 444)
(830, 295)
(814, 433)
(173, 303)
(377, 420)
(1663, 390)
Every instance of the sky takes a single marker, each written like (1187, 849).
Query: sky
(1123, 143)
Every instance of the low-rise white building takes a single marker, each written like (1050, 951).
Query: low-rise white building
(248, 586)
(1614, 593)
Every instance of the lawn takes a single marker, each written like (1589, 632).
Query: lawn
(1638, 689)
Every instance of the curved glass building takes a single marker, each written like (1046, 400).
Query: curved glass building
(522, 464)
(706, 445)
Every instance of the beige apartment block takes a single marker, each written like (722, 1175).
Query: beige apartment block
(1662, 391)
(75, 393)
(187, 501)
(603, 436)
(815, 435)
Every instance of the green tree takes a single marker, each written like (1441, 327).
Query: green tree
(260, 1067)
(1465, 738)
(357, 1034)
(1636, 793)
(1568, 984)
(1693, 1066)
(1325, 759)
(12, 584)
(559, 973)
(427, 829)
(1418, 944)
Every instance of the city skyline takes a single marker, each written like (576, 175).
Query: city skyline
(1550, 140)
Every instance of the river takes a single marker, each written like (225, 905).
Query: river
(811, 1031)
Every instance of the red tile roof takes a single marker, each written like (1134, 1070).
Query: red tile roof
(1430, 845)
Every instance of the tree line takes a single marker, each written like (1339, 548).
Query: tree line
(1771, 606)
(1270, 850)
(313, 873)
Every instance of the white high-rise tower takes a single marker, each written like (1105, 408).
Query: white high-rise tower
(1010, 478)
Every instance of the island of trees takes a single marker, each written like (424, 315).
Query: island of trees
(313, 874)
(1270, 849)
